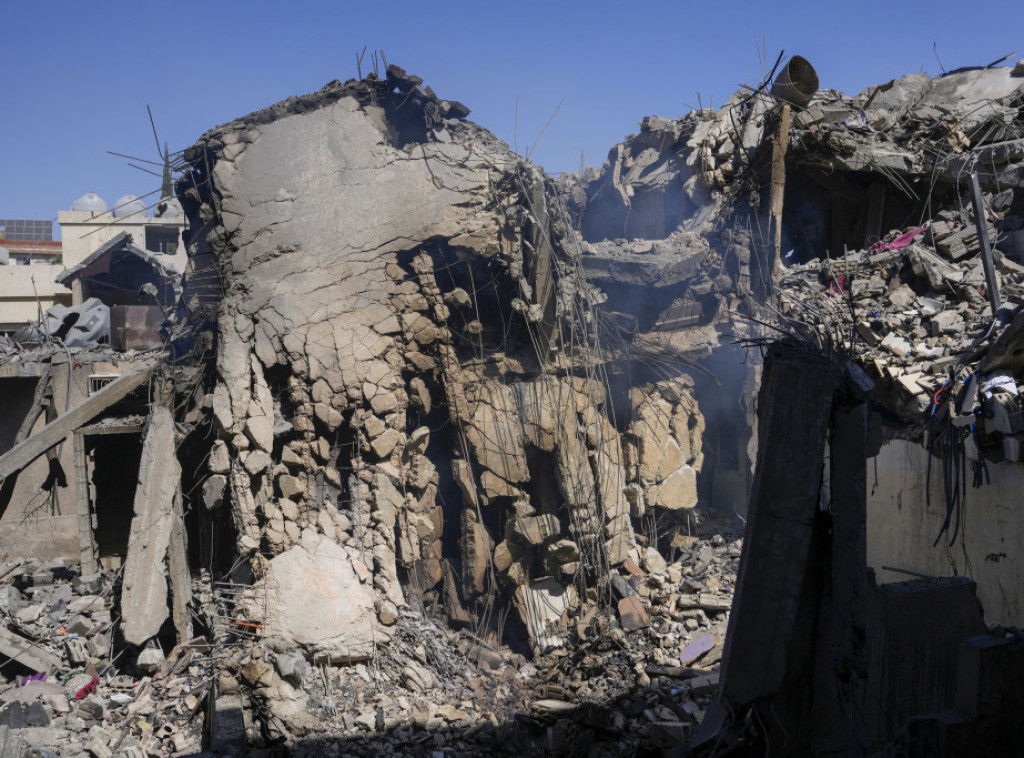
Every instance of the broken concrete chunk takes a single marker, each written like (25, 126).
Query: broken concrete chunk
(145, 586)
(632, 614)
(213, 491)
(653, 561)
(315, 599)
(535, 530)
(257, 461)
(419, 438)
(383, 402)
(563, 551)
(385, 443)
(541, 605)
(419, 395)
(896, 344)
(902, 297)
(678, 491)
(220, 461)
(291, 487)
(946, 322)
(291, 458)
(374, 427)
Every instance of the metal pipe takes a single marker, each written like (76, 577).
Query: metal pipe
(986, 247)
(797, 82)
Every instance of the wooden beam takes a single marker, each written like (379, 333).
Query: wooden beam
(780, 144)
(24, 453)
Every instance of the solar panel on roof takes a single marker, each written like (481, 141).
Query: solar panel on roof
(27, 230)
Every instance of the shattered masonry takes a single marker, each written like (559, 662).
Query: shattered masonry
(443, 294)
(437, 450)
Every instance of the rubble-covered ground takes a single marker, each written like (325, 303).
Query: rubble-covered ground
(618, 687)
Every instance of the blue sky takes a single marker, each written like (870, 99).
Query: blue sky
(75, 78)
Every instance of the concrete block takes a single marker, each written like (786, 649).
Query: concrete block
(1012, 448)
(981, 675)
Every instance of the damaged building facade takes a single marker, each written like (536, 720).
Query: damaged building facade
(429, 448)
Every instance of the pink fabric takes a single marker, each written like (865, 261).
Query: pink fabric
(897, 244)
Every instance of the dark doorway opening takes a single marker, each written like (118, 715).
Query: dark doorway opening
(113, 461)
(15, 401)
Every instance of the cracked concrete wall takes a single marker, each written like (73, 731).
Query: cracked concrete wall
(388, 269)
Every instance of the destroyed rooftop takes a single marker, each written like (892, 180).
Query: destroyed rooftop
(443, 455)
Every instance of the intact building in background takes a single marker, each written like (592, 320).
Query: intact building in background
(90, 224)
(38, 273)
(30, 261)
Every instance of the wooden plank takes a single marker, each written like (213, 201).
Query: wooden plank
(28, 450)
(779, 146)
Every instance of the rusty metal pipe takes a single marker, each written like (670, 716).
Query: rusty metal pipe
(797, 82)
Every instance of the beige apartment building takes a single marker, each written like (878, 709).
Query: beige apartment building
(30, 268)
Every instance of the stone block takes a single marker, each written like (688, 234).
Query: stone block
(678, 491)
(653, 562)
(291, 487)
(535, 530)
(257, 461)
(314, 598)
(385, 443)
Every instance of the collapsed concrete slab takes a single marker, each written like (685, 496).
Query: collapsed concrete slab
(144, 595)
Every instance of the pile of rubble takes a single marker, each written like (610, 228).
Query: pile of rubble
(611, 681)
(413, 403)
(921, 315)
(916, 311)
(72, 689)
(452, 430)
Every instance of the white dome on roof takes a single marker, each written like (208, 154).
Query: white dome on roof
(128, 205)
(91, 202)
(169, 207)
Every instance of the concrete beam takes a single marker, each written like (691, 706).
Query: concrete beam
(145, 587)
(795, 406)
(27, 654)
